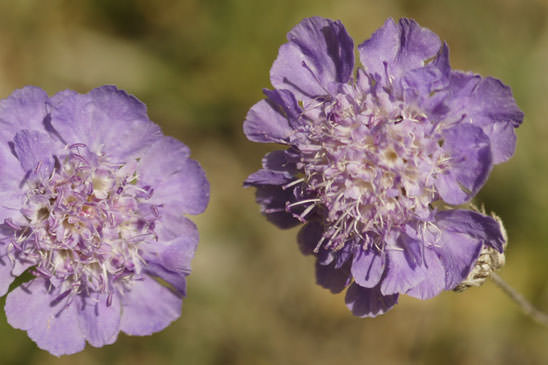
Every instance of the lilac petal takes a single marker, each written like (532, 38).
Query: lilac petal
(489, 104)
(400, 276)
(332, 278)
(368, 267)
(273, 199)
(281, 160)
(267, 121)
(309, 236)
(463, 234)
(470, 163)
(23, 109)
(28, 307)
(99, 322)
(368, 302)
(395, 49)
(434, 277)
(101, 119)
(6, 277)
(11, 176)
(148, 307)
(423, 86)
(319, 52)
(34, 149)
(165, 157)
(184, 191)
(268, 177)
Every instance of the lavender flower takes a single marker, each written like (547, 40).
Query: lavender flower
(379, 157)
(93, 196)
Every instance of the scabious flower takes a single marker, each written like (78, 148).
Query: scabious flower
(380, 159)
(92, 202)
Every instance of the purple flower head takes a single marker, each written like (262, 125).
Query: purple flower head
(378, 158)
(93, 196)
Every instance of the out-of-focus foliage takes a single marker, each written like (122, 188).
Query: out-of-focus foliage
(199, 65)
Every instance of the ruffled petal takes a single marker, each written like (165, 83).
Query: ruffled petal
(489, 104)
(463, 233)
(395, 49)
(434, 277)
(165, 157)
(319, 52)
(368, 302)
(6, 277)
(368, 267)
(148, 307)
(400, 275)
(332, 278)
(183, 191)
(23, 109)
(101, 119)
(170, 258)
(31, 307)
(469, 165)
(34, 150)
(99, 321)
(271, 119)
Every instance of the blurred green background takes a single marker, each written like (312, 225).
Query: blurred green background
(199, 65)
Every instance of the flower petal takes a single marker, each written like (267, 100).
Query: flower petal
(368, 267)
(101, 119)
(489, 104)
(368, 302)
(148, 307)
(270, 119)
(170, 258)
(99, 322)
(434, 277)
(332, 278)
(463, 234)
(469, 165)
(395, 49)
(184, 191)
(319, 52)
(23, 109)
(35, 149)
(29, 307)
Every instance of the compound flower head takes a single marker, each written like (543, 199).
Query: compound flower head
(93, 196)
(378, 158)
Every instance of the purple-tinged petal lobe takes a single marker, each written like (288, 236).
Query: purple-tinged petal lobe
(368, 267)
(34, 150)
(368, 302)
(400, 274)
(463, 234)
(489, 104)
(332, 278)
(470, 163)
(434, 277)
(102, 119)
(99, 319)
(185, 191)
(268, 121)
(148, 307)
(54, 329)
(395, 49)
(6, 277)
(167, 156)
(170, 258)
(23, 109)
(319, 52)
(309, 236)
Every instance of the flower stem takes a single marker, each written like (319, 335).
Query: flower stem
(526, 306)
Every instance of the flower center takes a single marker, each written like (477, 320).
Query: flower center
(86, 224)
(370, 167)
